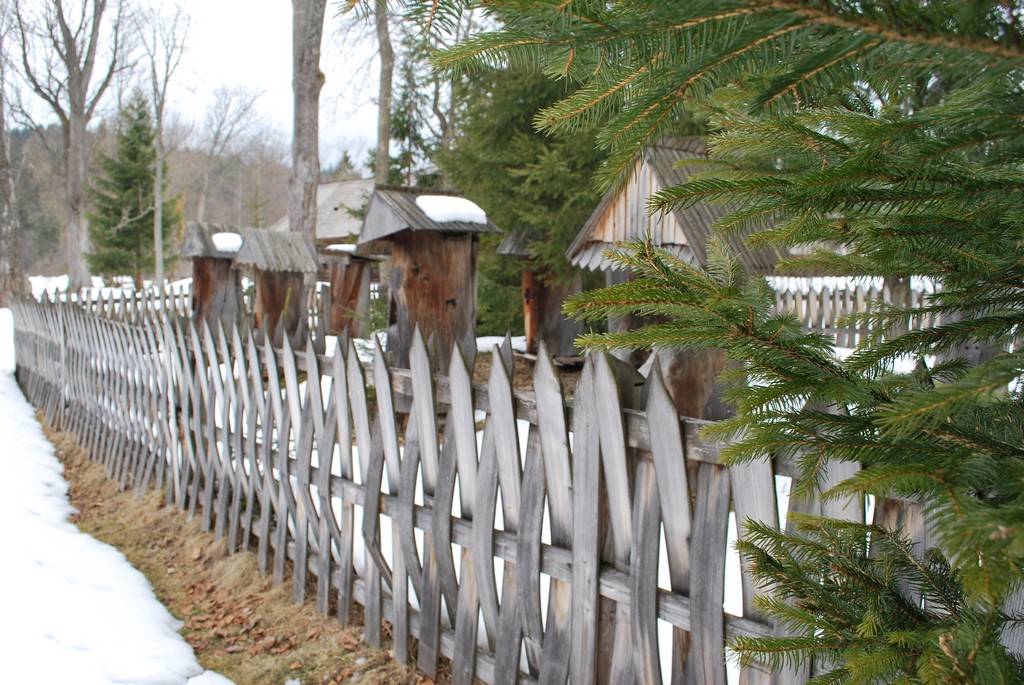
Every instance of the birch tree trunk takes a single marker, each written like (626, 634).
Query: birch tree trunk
(164, 44)
(387, 68)
(307, 80)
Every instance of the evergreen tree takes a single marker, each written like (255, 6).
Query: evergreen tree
(121, 223)
(525, 181)
(821, 133)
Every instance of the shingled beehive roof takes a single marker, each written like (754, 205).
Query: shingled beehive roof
(278, 251)
(393, 210)
(338, 204)
(200, 243)
(622, 214)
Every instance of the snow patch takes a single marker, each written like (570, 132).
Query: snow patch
(444, 208)
(346, 249)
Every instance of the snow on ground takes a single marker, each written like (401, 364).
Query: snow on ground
(72, 609)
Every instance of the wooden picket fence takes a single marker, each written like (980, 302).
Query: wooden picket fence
(825, 309)
(540, 518)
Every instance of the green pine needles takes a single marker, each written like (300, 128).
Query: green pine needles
(878, 138)
(121, 223)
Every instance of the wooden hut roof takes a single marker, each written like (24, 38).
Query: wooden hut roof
(622, 214)
(278, 251)
(199, 241)
(335, 203)
(393, 210)
(516, 243)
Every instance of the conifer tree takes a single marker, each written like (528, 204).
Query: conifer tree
(121, 222)
(526, 181)
(822, 141)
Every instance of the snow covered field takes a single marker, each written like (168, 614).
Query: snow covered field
(72, 609)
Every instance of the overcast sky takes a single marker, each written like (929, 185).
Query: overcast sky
(248, 42)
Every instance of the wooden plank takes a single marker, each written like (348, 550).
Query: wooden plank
(276, 436)
(509, 467)
(753, 487)
(346, 568)
(555, 452)
(327, 530)
(203, 422)
(617, 467)
(367, 442)
(643, 572)
(463, 450)
(531, 525)
(298, 482)
(424, 418)
(376, 566)
(710, 537)
(674, 499)
(219, 408)
(251, 387)
(236, 385)
(586, 475)
(482, 546)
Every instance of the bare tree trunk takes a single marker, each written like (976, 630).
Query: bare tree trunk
(307, 80)
(231, 115)
(58, 60)
(78, 245)
(9, 280)
(387, 67)
(158, 209)
(165, 45)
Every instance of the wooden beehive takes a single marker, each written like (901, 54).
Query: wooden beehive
(433, 268)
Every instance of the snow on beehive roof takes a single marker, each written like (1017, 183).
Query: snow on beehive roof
(201, 241)
(393, 210)
(278, 251)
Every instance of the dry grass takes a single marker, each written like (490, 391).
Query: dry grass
(238, 623)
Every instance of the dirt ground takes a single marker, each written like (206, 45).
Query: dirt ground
(238, 623)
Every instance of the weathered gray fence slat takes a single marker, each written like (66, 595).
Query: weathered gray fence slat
(364, 435)
(643, 571)
(398, 576)
(218, 448)
(482, 547)
(124, 353)
(554, 438)
(617, 464)
(281, 496)
(183, 374)
(506, 444)
(531, 525)
(753, 485)
(323, 532)
(298, 483)
(710, 530)
(254, 406)
(463, 433)
(239, 381)
(346, 469)
(424, 418)
(156, 424)
(206, 438)
(107, 417)
(674, 498)
(117, 446)
(267, 420)
(586, 478)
